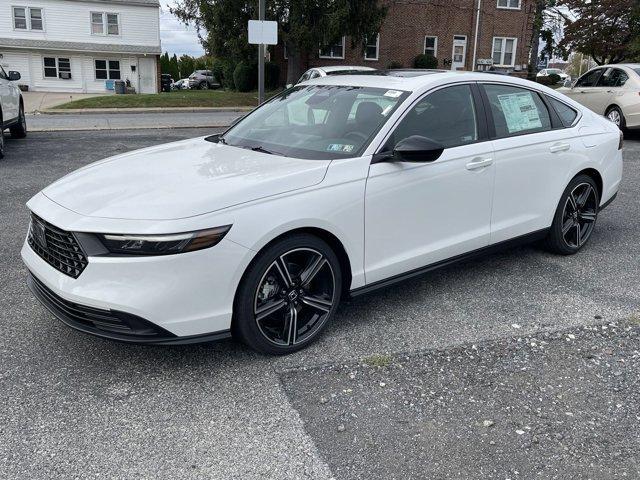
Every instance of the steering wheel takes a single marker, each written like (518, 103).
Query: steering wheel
(358, 135)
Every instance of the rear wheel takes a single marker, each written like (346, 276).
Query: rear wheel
(19, 130)
(616, 116)
(288, 295)
(575, 216)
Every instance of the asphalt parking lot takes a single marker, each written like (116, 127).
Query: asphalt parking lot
(522, 341)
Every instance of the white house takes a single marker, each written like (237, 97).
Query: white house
(81, 45)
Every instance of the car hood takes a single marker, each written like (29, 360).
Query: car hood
(179, 180)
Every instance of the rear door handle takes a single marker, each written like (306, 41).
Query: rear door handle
(478, 163)
(559, 147)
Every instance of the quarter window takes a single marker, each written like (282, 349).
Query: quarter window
(567, 114)
(334, 50)
(105, 23)
(371, 48)
(590, 79)
(446, 116)
(517, 111)
(57, 67)
(107, 69)
(431, 46)
(511, 4)
(25, 18)
(504, 49)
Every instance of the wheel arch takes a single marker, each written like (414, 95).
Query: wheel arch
(595, 175)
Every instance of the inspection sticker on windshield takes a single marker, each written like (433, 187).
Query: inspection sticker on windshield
(392, 93)
(520, 111)
(340, 147)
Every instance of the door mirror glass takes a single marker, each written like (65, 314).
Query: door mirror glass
(14, 76)
(568, 83)
(417, 149)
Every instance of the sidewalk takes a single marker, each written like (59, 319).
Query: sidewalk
(128, 120)
(39, 101)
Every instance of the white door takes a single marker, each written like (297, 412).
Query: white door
(459, 52)
(419, 213)
(530, 162)
(586, 91)
(148, 74)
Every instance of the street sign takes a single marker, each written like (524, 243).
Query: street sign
(262, 32)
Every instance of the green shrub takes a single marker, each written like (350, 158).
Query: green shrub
(217, 68)
(227, 74)
(425, 61)
(394, 65)
(244, 77)
(545, 81)
(271, 75)
(554, 78)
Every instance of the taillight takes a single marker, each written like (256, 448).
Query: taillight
(621, 144)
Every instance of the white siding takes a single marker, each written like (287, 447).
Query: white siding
(70, 22)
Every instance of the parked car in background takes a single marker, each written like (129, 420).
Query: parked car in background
(333, 188)
(318, 72)
(612, 91)
(11, 108)
(182, 84)
(165, 82)
(203, 79)
(547, 72)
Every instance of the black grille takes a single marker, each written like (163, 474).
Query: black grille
(58, 248)
(111, 323)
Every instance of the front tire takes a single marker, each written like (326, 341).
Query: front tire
(575, 216)
(1, 140)
(288, 295)
(204, 86)
(615, 115)
(19, 130)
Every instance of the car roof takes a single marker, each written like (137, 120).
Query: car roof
(338, 68)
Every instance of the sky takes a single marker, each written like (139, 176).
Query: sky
(175, 36)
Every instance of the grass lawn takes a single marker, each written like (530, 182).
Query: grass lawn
(181, 98)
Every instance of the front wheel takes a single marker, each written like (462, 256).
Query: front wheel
(204, 86)
(575, 217)
(616, 116)
(1, 140)
(19, 130)
(288, 294)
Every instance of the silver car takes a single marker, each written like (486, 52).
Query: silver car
(203, 79)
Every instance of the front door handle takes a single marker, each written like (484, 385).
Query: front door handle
(478, 163)
(559, 147)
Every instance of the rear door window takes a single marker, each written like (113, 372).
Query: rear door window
(613, 78)
(516, 111)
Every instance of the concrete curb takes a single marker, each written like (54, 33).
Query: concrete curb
(100, 111)
(98, 129)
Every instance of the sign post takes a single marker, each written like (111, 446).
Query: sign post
(262, 33)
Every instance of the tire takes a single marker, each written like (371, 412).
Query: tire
(299, 273)
(575, 217)
(1, 140)
(616, 116)
(204, 86)
(19, 130)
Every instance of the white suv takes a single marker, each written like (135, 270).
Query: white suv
(11, 108)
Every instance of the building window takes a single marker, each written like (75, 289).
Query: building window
(510, 4)
(371, 48)
(334, 50)
(431, 46)
(504, 51)
(107, 69)
(105, 23)
(25, 18)
(57, 67)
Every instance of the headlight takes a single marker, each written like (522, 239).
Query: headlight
(163, 244)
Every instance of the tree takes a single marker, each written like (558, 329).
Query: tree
(304, 25)
(603, 29)
(186, 65)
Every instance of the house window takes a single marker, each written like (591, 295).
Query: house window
(334, 50)
(371, 48)
(107, 69)
(504, 51)
(57, 67)
(105, 23)
(25, 18)
(510, 4)
(431, 46)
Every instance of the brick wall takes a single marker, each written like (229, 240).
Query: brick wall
(409, 21)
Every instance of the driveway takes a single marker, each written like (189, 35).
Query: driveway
(481, 340)
(39, 101)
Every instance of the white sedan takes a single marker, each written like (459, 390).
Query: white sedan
(547, 72)
(11, 108)
(334, 188)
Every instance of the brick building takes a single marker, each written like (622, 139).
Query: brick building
(443, 28)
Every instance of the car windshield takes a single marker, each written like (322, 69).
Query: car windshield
(316, 121)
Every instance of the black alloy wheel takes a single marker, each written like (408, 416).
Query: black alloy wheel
(293, 290)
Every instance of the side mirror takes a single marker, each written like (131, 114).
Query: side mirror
(14, 76)
(568, 83)
(412, 149)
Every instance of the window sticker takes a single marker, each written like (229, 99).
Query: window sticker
(392, 93)
(340, 147)
(520, 112)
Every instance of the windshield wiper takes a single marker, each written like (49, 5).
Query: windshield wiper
(260, 149)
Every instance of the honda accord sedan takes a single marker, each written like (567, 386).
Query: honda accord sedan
(334, 188)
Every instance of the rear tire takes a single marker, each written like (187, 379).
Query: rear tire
(575, 217)
(19, 130)
(287, 295)
(1, 140)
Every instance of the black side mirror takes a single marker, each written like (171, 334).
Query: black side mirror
(412, 149)
(14, 76)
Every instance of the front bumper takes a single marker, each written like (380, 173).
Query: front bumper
(180, 298)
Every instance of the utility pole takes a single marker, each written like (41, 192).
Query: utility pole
(261, 8)
(477, 34)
